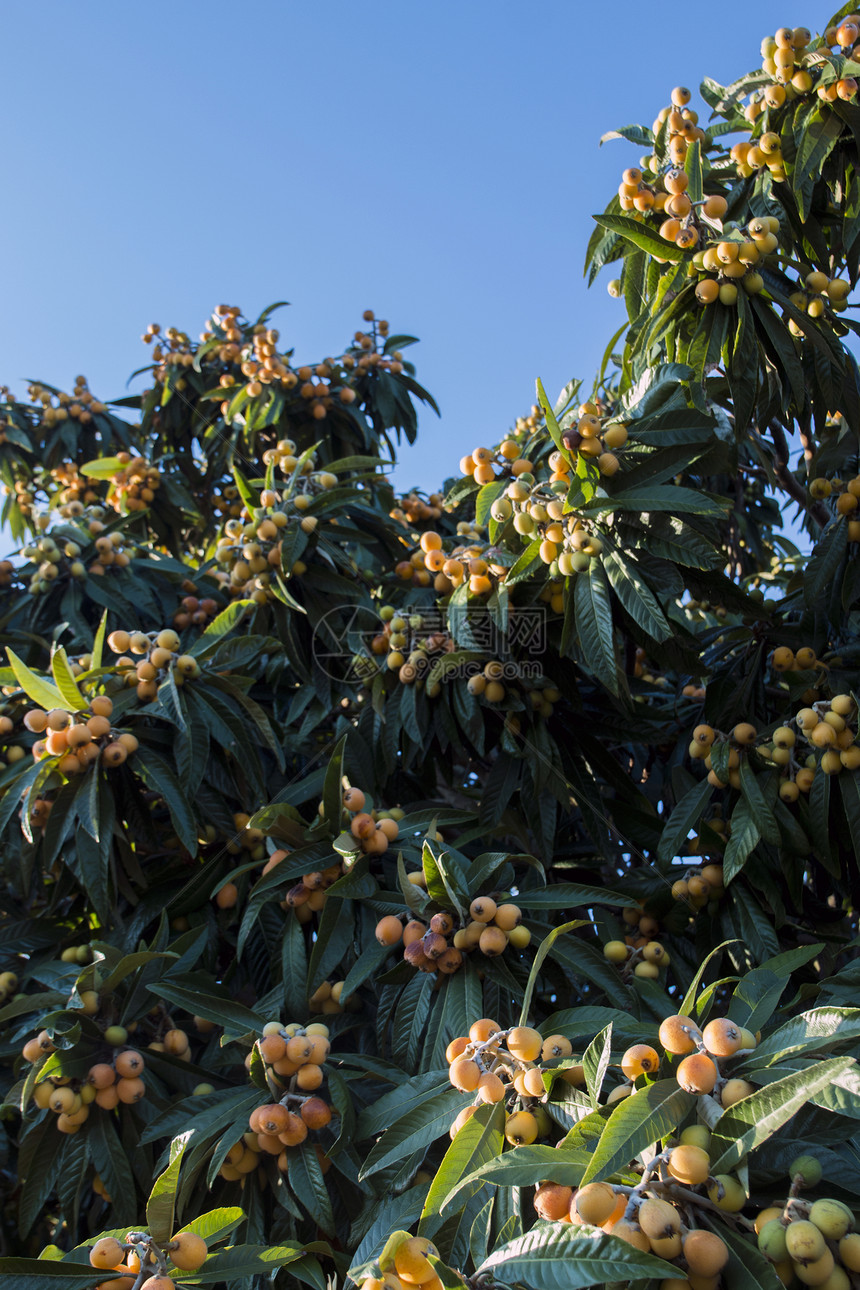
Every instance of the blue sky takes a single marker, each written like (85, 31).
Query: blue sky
(437, 162)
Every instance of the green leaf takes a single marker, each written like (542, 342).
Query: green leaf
(111, 1163)
(332, 795)
(638, 1121)
(130, 963)
(161, 1206)
(228, 1266)
(821, 567)
(757, 995)
(672, 499)
(683, 819)
(479, 1142)
(35, 687)
(203, 998)
(334, 938)
(308, 1185)
(820, 1028)
(158, 775)
(818, 139)
(221, 625)
(524, 564)
(250, 496)
(552, 1256)
(755, 1119)
(594, 625)
(640, 235)
(99, 642)
(819, 821)
(65, 680)
(524, 1166)
(542, 951)
(564, 895)
(444, 884)
(636, 596)
(761, 813)
(485, 499)
(38, 1162)
(693, 168)
(47, 1274)
(595, 1063)
(415, 1130)
(215, 1225)
(102, 467)
(743, 841)
(552, 423)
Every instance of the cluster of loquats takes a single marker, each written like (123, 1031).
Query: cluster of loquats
(140, 1262)
(409, 643)
(293, 1056)
(80, 739)
(133, 488)
(11, 752)
(58, 559)
(412, 508)
(800, 66)
(568, 543)
(405, 1264)
(589, 435)
(175, 1041)
(367, 830)
(194, 612)
(58, 406)
(486, 465)
(246, 838)
(487, 684)
(508, 458)
(328, 999)
(731, 259)
(441, 945)
(307, 896)
(656, 1216)
(226, 500)
(468, 560)
(702, 1052)
(254, 361)
(160, 658)
(824, 729)
(830, 744)
(252, 545)
(640, 953)
(699, 887)
(686, 223)
(106, 1084)
(72, 492)
(374, 830)
(675, 127)
(171, 349)
(23, 494)
(845, 497)
(500, 1065)
(810, 1242)
(817, 295)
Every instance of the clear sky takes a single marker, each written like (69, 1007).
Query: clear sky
(437, 162)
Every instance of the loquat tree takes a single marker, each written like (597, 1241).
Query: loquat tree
(456, 889)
